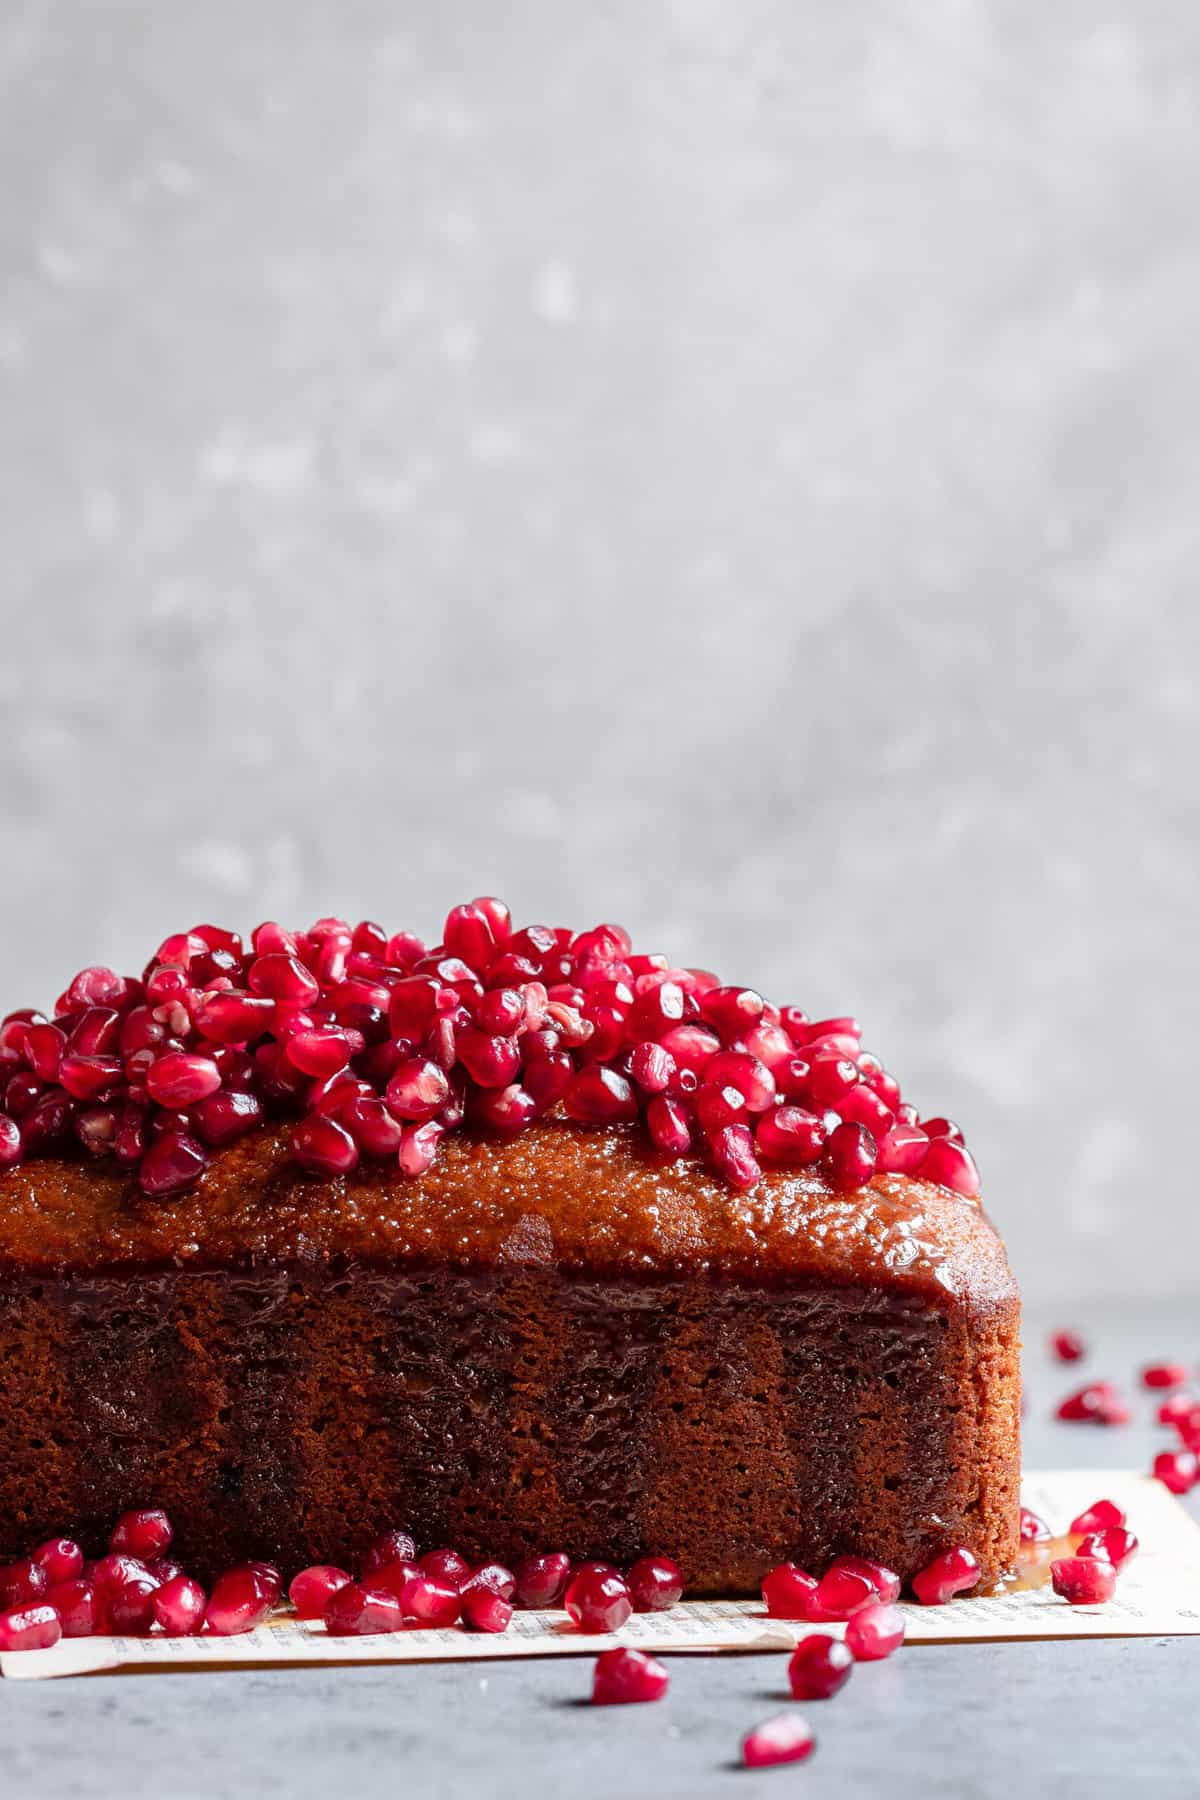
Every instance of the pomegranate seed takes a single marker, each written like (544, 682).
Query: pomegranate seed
(10, 1142)
(469, 935)
(172, 1164)
(850, 1158)
(652, 1068)
(655, 1583)
(75, 1603)
(269, 1576)
(733, 1153)
(1164, 1375)
(1176, 1409)
(390, 1547)
(492, 1577)
(445, 1565)
(1033, 1528)
(884, 1582)
(354, 1610)
(96, 986)
(178, 1080)
(623, 1676)
(324, 1146)
(91, 1077)
(61, 1558)
(787, 1592)
(1113, 1543)
(902, 1150)
(313, 1588)
(34, 1627)
(784, 1739)
(240, 1600)
(431, 1600)
(598, 1599)
(127, 1608)
(179, 1606)
(1083, 1580)
(418, 1147)
(862, 1106)
(1097, 1517)
(321, 1051)
(226, 1116)
(283, 977)
(1178, 1470)
(483, 1610)
(752, 1079)
(233, 1018)
(23, 1583)
(141, 1534)
(947, 1575)
(1068, 1346)
(541, 1580)
(841, 1591)
(951, 1165)
(831, 1078)
(1096, 1404)
(789, 1135)
(819, 1666)
(733, 1011)
(600, 1096)
(668, 1124)
(875, 1632)
(44, 1045)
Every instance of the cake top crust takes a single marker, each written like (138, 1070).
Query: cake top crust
(370, 1050)
(583, 1202)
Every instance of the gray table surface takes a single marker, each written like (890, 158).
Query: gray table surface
(1081, 1719)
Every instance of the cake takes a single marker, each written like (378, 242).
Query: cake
(523, 1242)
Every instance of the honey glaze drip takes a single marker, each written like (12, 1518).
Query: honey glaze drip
(1033, 1564)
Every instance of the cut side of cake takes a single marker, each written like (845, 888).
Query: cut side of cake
(521, 1241)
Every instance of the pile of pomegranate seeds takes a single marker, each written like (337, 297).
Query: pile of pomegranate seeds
(377, 1045)
(849, 1584)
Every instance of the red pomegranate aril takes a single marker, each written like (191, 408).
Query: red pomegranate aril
(35, 1627)
(1032, 1528)
(733, 1152)
(901, 1151)
(491, 1062)
(715, 1107)
(831, 1079)
(179, 1606)
(942, 1128)
(431, 1600)
(884, 1583)
(128, 1609)
(493, 1577)
(1097, 1517)
(239, 1601)
(313, 1588)
(1164, 1375)
(469, 935)
(732, 1010)
(655, 1583)
(652, 1068)
(61, 1558)
(1083, 1581)
(393, 1576)
(282, 977)
(788, 1592)
(1178, 1470)
(541, 1580)
(389, 1547)
(600, 1096)
(841, 1591)
(143, 1533)
(1111, 1543)
(172, 1164)
(77, 1608)
(862, 1106)
(951, 1165)
(789, 1135)
(1177, 1409)
(164, 1569)
(660, 1009)
(598, 1600)
(1097, 1404)
(752, 1079)
(324, 1146)
(1068, 1346)
(44, 1046)
(419, 1147)
(270, 1577)
(875, 1632)
(227, 1116)
(949, 1574)
(10, 1142)
(91, 1077)
(784, 1739)
(418, 1089)
(500, 1011)
(321, 1051)
(818, 1667)
(445, 1565)
(233, 1018)
(669, 1125)
(849, 1158)
(622, 1677)
(96, 1129)
(22, 1583)
(361, 1610)
(692, 1046)
(483, 1610)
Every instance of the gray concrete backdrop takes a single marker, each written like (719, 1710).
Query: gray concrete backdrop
(728, 467)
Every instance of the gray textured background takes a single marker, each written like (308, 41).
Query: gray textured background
(730, 467)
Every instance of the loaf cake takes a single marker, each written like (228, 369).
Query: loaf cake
(524, 1242)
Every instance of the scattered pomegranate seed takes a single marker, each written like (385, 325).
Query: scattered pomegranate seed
(788, 1592)
(542, 1580)
(849, 1157)
(623, 1676)
(947, 1575)
(598, 1599)
(1113, 1543)
(445, 1565)
(1177, 1409)
(1033, 1529)
(1097, 1517)
(240, 1600)
(1164, 1375)
(484, 1610)
(1068, 1346)
(61, 1558)
(1083, 1580)
(35, 1627)
(951, 1165)
(784, 1739)
(875, 1632)
(75, 1604)
(492, 1578)
(430, 1600)
(22, 1583)
(179, 1606)
(1178, 1470)
(840, 1592)
(127, 1607)
(313, 1588)
(358, 1611)
(390, 1547)
(1097, 1404)
(819, 1666)
(655, 1583)
(884, 1582)
(142, 1534)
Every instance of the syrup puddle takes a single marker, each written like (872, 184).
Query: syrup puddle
(1033, 1564)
